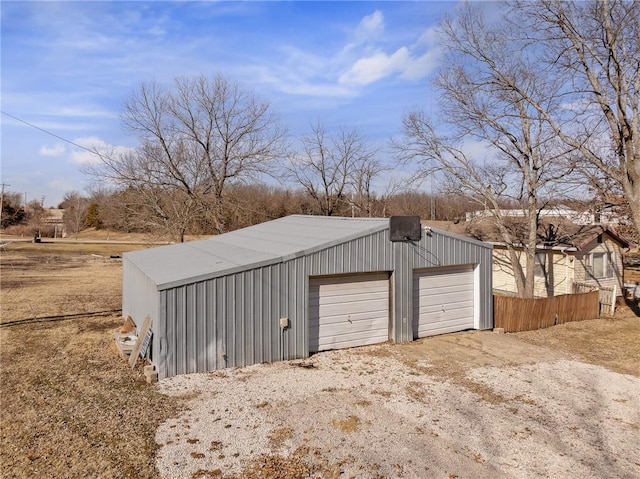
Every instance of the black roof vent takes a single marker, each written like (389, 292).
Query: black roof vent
(405, 228)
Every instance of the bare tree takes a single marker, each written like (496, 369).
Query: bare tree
(487, 83)
(75, 208)
(331, 168)
(363, 197)
(594, 48)
(197, 138)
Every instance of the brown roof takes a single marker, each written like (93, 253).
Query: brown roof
(586, 234)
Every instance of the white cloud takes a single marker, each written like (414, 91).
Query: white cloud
(428, 38)
(370, 26)
(373, 68)
(364, 34)
(57, 150)
(84, 157)
(420, 67)
(412, 62)
(85, 111)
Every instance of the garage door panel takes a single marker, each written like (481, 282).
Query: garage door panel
(346, 311)
(447, 289)
(441, 327)
(439, 317)
(336, 329)
(462, 311)
(444, 329)
(444, 281)
(353, 318)
(353, 308)
(342, 296)
(443, 300)
(450, 298)
(437, 309)
(345, 341)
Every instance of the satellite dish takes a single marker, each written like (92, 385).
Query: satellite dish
(405, 228)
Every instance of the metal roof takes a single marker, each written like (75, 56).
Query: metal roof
(266, 243)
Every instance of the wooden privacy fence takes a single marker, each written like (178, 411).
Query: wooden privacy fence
(519, 314)
(607, 295)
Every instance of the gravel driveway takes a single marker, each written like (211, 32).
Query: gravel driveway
(467, 405)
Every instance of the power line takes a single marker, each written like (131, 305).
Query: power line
(237, 205)
(48, 132)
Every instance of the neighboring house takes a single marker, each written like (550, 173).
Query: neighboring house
(300, 284)
(590, 254)
(605, 215)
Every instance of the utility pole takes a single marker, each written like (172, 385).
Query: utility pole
(433, 207)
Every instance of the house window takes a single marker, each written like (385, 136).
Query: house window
(539, 269)
(599, 265)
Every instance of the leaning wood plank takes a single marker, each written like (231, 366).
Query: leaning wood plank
(614, 295)
(144, 329)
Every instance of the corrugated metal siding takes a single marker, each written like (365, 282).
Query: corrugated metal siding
(140, 297)
(365, 254)
(233, 320)
(224, 322)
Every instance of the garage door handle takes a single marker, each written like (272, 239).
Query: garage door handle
(443, 310)
(349, 319)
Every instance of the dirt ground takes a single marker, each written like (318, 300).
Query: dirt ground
(466, 405)
(71, 408)
(52, 278)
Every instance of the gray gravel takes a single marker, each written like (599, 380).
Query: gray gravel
(369, 413)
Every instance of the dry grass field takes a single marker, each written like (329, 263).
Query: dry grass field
(51, 279)
(70, 407)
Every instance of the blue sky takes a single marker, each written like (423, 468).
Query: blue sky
(68, 67)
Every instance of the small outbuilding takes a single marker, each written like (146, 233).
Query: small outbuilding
(301, 284)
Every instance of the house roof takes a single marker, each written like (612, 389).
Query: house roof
(585, 235)
(259, 245)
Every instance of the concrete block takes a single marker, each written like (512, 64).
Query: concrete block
(152, 377)
(498, 330)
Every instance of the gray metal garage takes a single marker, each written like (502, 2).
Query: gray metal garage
(300, 284)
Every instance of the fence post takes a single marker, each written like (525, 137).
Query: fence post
(613, 299)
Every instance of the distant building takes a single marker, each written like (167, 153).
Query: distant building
(605, 216)
(55, 217)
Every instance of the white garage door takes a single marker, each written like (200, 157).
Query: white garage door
(443, 300)
(347, 311)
